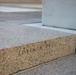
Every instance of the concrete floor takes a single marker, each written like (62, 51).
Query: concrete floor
(14, 9)
(23, 5)
(62, 66)
(20, 15)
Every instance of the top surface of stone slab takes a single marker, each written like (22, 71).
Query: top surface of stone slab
(14, 35)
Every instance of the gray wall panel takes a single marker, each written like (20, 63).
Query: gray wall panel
(60, 13)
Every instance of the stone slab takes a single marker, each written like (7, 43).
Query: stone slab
(22, 47)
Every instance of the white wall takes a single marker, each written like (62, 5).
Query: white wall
(61, 13)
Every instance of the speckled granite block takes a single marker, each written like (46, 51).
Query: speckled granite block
(39, 46)
(61, 66)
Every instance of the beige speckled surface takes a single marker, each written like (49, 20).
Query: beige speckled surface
(61, 66)
(39, 46)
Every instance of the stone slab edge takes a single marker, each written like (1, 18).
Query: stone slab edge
(26, 56)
